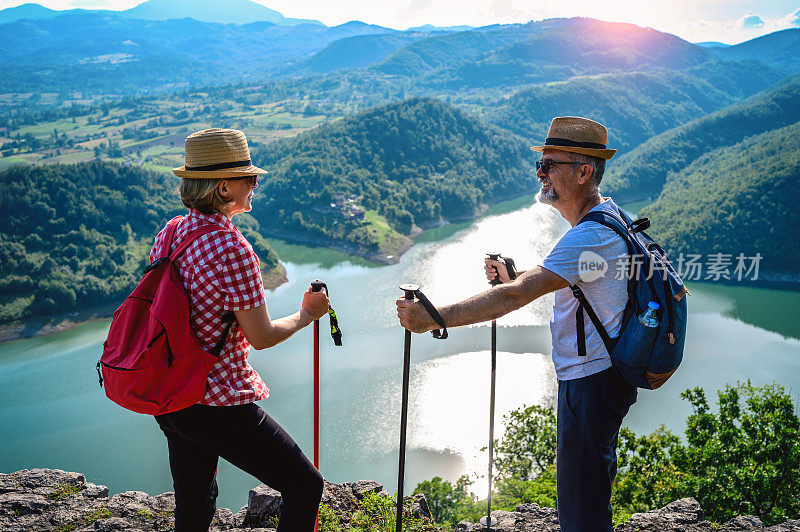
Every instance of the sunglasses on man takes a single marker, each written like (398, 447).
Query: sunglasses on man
(546, 165)
(252, 178)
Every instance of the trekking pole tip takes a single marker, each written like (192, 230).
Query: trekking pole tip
(488, 521)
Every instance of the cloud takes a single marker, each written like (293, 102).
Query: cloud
(414, 9)
(793, 19)
(505, 9)
(750, 21)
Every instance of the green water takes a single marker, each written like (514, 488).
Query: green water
(53, 413)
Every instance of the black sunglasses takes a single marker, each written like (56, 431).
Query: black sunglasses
(545, 166)
(253, 179)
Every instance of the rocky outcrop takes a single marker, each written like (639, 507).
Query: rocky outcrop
(51, 499)
(684, 515)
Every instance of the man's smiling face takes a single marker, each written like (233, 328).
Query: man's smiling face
(556, 180)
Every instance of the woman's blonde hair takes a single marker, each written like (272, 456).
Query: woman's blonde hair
(201, 194)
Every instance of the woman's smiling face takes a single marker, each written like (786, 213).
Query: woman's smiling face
(240, 193)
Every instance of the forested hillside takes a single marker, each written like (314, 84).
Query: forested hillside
(641, 174)
(634, 106)
(417, 161)
(355, 52)
(79, 235)
(741, 198)
(780, 49)
(557, 49)
(439, 51)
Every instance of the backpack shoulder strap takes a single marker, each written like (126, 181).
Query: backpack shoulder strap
(172, 226)
(191, 237)
(618, 223)
(609, 220)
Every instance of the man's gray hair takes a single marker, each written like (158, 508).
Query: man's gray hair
(598, 165)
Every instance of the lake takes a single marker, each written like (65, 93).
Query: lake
(54, 414)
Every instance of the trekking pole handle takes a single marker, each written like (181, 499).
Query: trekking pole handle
(510, 268)
(317, 285)
(409, 289)
(496, 281)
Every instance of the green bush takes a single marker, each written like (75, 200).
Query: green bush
(742, 460)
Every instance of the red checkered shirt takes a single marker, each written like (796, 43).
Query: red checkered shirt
(220, 272)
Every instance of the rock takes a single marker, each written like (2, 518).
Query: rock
(743, 522)
(113, 523)
(545, 515)
(684, 514)
(341, 499)
(792, 525)
(18, 504)
(362, 487)
(239, 517)
(263, 507)
(533, 518)
(419, 506)
(223, 519)
(51, 500)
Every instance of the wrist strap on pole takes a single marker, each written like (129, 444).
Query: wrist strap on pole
(336, 332)
(437, 333)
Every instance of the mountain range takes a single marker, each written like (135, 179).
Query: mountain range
(229, 12)
(110, 52)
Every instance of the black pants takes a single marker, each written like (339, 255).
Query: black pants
(590, 412)
(248, 438)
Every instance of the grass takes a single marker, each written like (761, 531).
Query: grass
(86, 519)
(144, 515)
(374, 514)
(5, 162)
(64, 491)
(262, 122)
(380, 226)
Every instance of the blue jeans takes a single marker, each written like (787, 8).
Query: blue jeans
(590, 412)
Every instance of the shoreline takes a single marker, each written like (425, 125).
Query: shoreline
(45, 325)
(37, 326)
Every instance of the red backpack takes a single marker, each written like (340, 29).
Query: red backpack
(152, 362)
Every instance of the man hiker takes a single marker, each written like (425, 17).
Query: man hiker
(593, 398)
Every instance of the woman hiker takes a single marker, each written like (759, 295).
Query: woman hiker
(221, 274)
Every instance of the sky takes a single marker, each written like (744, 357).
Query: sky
(728, 21)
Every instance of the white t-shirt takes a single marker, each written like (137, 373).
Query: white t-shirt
(579, 258)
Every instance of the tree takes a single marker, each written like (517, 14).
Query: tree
(445, 499)
(525, 465)
(528, 446)
(746, 458)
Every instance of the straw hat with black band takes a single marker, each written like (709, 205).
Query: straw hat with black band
(217, 154)
(577, 135)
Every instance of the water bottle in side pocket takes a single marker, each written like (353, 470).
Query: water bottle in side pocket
(649, 318)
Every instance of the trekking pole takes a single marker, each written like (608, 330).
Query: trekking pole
(316, 286)
(487, 520)
(411, 291)
(336, 333)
